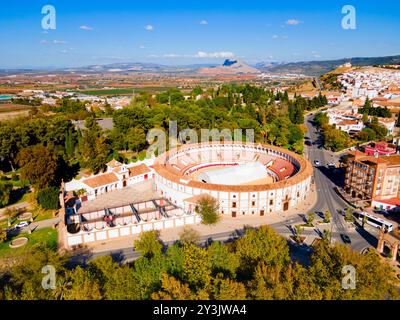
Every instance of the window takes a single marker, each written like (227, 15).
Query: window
(253, 203)
(271, 202)
(233, 204)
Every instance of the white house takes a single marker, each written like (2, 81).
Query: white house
(117, 176)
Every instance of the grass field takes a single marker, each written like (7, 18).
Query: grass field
(46, 236)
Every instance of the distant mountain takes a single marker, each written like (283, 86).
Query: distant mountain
(316, 68)
(229, 67)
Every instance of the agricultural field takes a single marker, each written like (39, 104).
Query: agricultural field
(122, 91)
(10, 110)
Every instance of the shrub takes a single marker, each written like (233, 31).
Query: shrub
(48, 198)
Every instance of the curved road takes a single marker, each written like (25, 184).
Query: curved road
(327, 198)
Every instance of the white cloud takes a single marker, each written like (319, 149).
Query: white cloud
(275, 36)
(59, 42)
(220, 54)
(84, 27)
(172, 55)
(293, 22)
(44, 42)
(153, 56)
(142, 46)
(149, 27)
(204, 22)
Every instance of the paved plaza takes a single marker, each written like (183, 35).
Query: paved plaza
(142, 191)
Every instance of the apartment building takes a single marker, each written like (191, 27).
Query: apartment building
(373, 177)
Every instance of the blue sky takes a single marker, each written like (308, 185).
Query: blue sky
(186, 32)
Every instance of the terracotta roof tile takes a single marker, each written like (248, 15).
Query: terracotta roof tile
(101, 180)
(138, 170)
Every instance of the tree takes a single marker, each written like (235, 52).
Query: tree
(148, 244)
(310, 218)
(374, 279)
(207, 207)
(3, 234)
(70, 144)
(5, 192)
(38, 165)
(116, 282)
(48, 198)
(327, 235)
(83, 286)
(189, 235)
(298, 232)
(196, 267)
(263, 244)
(173, 289)
(227, 289)
(135, 139)
(348, 215)
(10, 214)
(327, 216)
(223, 260)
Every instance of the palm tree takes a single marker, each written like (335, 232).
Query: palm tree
(364, 220)
(310, 218)
(348, 215)
(327, 235)
(62, 287)
(299, 231)
(327, 216)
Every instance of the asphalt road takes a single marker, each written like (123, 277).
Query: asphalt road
(327, 198)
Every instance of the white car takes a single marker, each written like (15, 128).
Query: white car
(316, 162)
(22, 224)
(331, 164)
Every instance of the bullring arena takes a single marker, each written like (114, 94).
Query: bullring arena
(244, 178)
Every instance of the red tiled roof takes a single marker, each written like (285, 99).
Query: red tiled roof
(138, 170)
(101, 180)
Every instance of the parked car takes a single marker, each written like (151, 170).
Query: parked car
(316, 162)
(345, 238)
(22, 224)
(331, 165)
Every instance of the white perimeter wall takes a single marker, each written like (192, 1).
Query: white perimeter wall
(129, 230)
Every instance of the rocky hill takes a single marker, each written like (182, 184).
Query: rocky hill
(229, 67)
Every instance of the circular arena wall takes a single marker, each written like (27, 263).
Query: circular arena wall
(290, 173)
